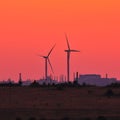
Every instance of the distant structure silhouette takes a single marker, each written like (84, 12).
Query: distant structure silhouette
(106, 76)
(76, 78)
(47, 60)
(68, 51)
(20, 79)
(95, 79)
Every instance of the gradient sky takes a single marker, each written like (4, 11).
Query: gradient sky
(31, 27)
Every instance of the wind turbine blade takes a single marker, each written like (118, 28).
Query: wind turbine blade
(51, 51)
(50, 65)
(67, 41)
(41, 55)
(74, 50)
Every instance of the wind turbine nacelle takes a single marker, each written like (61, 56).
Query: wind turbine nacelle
(45, 57)
(67, 50)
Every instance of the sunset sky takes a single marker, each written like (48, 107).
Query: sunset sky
(31, 27)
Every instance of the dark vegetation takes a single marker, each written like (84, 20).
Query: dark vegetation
(114, 85)
(101, 118)
(32, 118)
(36, 84)
(18, 118)
(65, 118)
(109, 93)
(65, 101)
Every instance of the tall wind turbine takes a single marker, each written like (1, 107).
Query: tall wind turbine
(68, 51)
(47, 60)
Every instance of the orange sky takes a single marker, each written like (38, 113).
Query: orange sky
(30, 27)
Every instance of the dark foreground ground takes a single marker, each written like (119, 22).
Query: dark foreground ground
(25, 103)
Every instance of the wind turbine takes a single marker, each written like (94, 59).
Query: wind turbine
(68, 51)
(47, 60)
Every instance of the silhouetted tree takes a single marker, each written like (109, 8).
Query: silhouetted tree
(116, 85)
(34, 84)
(75, 82)
(53, 84)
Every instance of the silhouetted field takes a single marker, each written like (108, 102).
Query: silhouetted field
(84, 103)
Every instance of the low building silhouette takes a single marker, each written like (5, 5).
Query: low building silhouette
(95, 79)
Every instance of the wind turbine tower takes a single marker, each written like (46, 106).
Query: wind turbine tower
(68, 51)
(47, 60)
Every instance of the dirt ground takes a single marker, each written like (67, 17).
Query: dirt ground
(53, 104)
